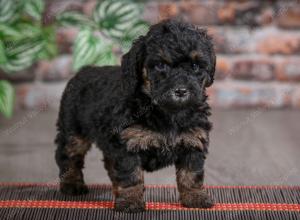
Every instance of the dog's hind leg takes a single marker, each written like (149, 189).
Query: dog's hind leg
(127, 178)
(69, 157)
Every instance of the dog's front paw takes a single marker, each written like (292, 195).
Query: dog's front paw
(73, 189)
(123, 205)
(198, 199)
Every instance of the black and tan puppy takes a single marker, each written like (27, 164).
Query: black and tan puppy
(145, 115)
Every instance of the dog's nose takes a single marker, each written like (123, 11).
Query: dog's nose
(181, 92)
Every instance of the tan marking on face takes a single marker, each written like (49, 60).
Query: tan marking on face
(164, 57)
(147, 83)
(195, 55)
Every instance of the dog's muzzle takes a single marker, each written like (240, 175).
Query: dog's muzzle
(180, 94)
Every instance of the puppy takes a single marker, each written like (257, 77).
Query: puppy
(145, 115)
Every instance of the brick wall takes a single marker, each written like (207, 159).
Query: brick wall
(258, 46)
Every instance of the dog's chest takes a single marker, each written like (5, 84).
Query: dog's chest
(138, 139)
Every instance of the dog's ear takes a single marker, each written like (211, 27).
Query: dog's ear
(212, 68)
(208, 41)
(212, 57)
(132, 65)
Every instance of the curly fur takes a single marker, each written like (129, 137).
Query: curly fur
(146, 114)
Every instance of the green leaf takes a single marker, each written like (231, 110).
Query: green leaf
(25, 43)
(73, 18)
(84, 49)
(138, 29)
(19, 31)
(107, 57)
(89, 49)
(8, 32)
(3, 59)
(49, 49)
(6, 98)
(34, 8)
(115, 17)
(28, 29)
(8, 9)
(22, 54)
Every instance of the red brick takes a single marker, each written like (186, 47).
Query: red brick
(151, 12)
(240, 94)
(57, 69)
(223, 67)
(288, 15)
(241, 13)
(27, 75)
(217, 12)
(253, 68)
(279, 42)
(229, 40)
(227, 13)
(88, 7)
(200, 13)
(167, 10)
(39, 95)
(267, 16)
(65, 38)
(296, 98)
(288, 69)
(219, 39)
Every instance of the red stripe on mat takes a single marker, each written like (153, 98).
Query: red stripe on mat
(156, 186)
(149, 205)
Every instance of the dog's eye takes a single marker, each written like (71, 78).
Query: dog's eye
(195, 67)
(161, 67)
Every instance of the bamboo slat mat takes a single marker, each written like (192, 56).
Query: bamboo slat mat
(33, 201)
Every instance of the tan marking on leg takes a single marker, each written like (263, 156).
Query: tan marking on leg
(75, 150)
(197, 138)
(77, 146)
(138, 138)
(187, 180)
(127, 198)
(131, 191)
(191, 191)
(138, 174)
